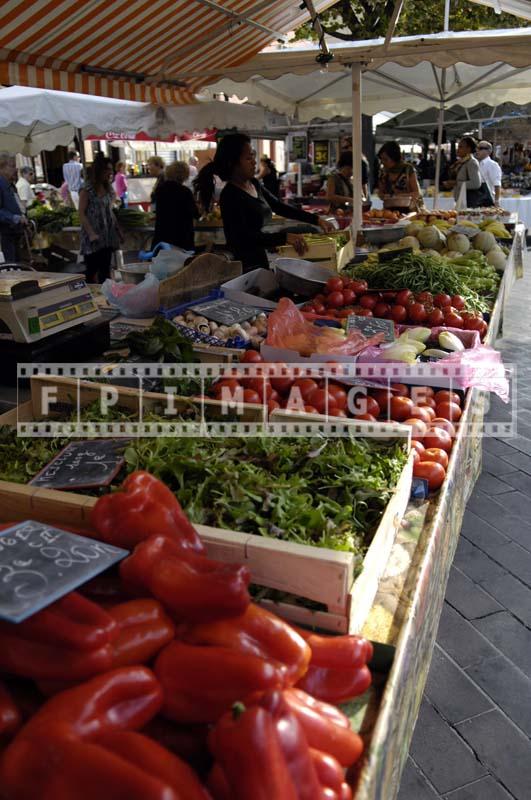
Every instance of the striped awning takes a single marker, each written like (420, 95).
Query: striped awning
(158, 51)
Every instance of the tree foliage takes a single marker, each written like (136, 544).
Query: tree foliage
(352, 20)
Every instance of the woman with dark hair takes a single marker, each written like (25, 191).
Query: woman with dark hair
(268, 175)
(397, 176)
(246, 206)
(339, 189)
(100, 235)
(466, 177)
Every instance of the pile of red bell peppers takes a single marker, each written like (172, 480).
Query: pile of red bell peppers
(163, 681)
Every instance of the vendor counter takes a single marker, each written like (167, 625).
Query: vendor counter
(518, 204)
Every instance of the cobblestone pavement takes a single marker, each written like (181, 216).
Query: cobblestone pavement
(472, 738)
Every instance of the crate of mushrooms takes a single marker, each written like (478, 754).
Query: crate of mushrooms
(198, 328)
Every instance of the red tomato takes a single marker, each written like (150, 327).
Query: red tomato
(416, 456)
(435, 318)
(428, 402)
(343, 313)
(322, 400)
(306, 386)
(416, 312)
(400, 408)
(319, 308)
(435, 454)
(458, 302)
(368, 301)
(261, 387)
(319, 298)
(444, 396)
(442, 300)
(372, 407)
(476, 324)
(339, 393)
(400, 389)
(310, 410)
(437, 437)
(419, 429)
(348, 296)
(366, 417)
(432, 472)
(417, 446)
(272, 404)
(453, 320)
(250, 396)
(281, 383)
(335, 299)
(359, 286)
(422, 413)
(230, 383)
(383, 398)
(445, 424)
(426, 298)
(404, 297)
(365, 312)
(449, 411)
(251, 357)
(308, 308)
(334, 285)
(398, 313)
(381, 309)
(274, 396)
(337, 412)
(419, 394)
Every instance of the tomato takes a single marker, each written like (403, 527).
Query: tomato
(339, 393)
(417, 446)
(359, 286)
(272, 405)
(274, 396)
(343, 313)
(348, 296)
(432, 472)
(416, 312)
(424, 414)
(442, 300)
(445, 424)
(400, 389)
(400, 408)
(416, 456)
(453, 320)
(250, 396)
(435, 318)
(476, 324)
(458, 302)
(419, 429)
(383, 398)
(404, 297)
(281, 383)
(365, 312)
(419, 395)
(444, 396)
(371, 405)
(322, 400)
(251, 357)
(381, 309)
(426, 298)
(319, 308)
(428, 403)
(334, 285)
(308, 308)
(449, 411)
(368, 301)
(337, 412)
(310, 410)
(437, 437)
(231, 383)
(335, 299)
(319, 298)
(398, 313)
(366, 417)
(261, 387)
(435, 454)
(306, 386)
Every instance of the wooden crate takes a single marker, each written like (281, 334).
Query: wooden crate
(322, 253)
(318, 574)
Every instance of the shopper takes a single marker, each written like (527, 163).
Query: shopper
(339, 189)
(73, 175)
(268, 176)
(490, 170)
(11, 218)
(120, 183)
(465, 177)
(397, 177)
(26, 195)
(155, 166)
(175, 209)
(193, 166)
(100, 235)
(246, 206)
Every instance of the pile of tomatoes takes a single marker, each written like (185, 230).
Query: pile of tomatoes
(342, 297)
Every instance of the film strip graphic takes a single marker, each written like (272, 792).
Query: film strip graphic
(156, 400)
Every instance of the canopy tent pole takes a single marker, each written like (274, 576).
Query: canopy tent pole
(356, 150)
(439, 145)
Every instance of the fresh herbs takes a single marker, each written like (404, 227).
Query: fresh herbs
(160, 342)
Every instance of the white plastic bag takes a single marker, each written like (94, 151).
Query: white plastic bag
(169, 262)
(134, 300)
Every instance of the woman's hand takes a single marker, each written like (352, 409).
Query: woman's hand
(325, 225)
(297, 241)
(93, 237)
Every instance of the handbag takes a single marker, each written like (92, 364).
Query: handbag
(478, 198)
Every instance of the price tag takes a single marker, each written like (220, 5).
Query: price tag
(370, 326)
(41, 563)
(225, 312)
(83, 465)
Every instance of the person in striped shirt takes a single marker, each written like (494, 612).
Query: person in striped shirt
(73, 176)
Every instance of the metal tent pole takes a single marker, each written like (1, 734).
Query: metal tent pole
(356, 150)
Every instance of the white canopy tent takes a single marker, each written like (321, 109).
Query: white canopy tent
(32, 120)
(520, 8)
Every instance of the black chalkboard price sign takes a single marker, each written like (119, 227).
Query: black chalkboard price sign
(225, 312)
(369, 326)
(40, 563)
(83, 465)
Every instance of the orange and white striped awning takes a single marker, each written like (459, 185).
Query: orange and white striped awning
(159, 51)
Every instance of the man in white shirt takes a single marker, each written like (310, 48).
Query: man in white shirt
(73, 175)
(490, 170)
(26, 195)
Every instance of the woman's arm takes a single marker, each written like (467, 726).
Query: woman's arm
(474, 175)
(83, 218)
(332, 197)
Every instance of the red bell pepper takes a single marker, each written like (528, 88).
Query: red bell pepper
(10, 716)
(325, 726)
(189, 742)
(144, 629)
(191, 587)
(144, 507)
(201, 683)
(257, 632)
(337, 670)
(41, 661)
(331, 775)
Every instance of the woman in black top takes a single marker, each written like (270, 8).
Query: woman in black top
(246, 206)
(175, 209)
(268, 176)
